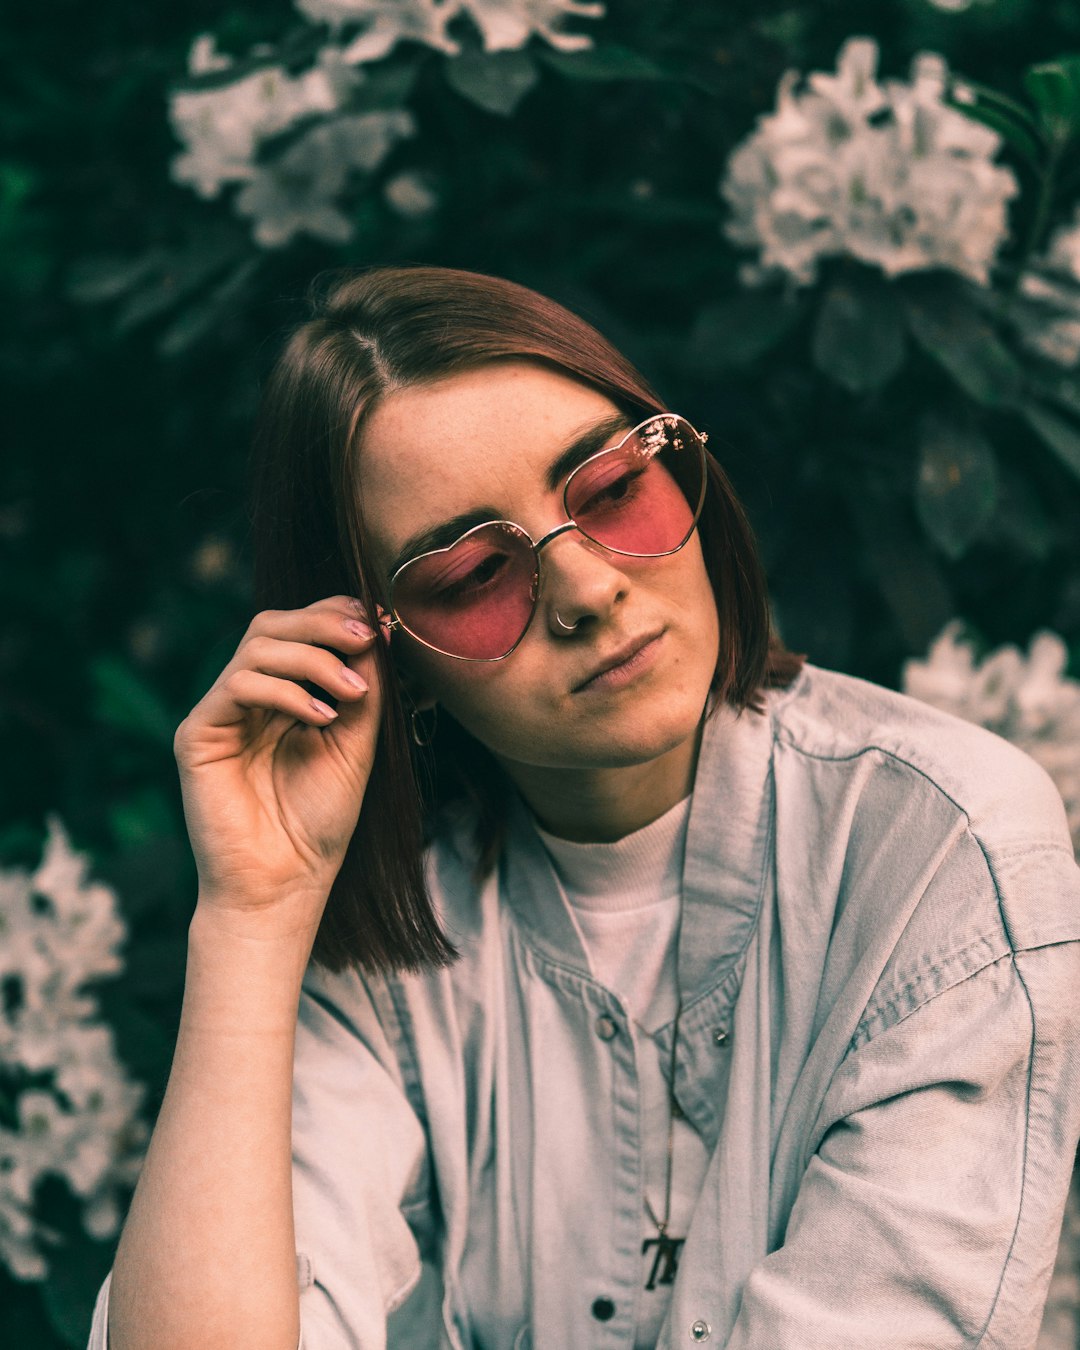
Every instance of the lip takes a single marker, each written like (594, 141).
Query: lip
(623, 665)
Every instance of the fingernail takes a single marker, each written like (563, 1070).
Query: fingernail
(323, 708)
(358, 629)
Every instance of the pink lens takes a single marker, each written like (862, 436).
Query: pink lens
(641, 497)
(474, 599)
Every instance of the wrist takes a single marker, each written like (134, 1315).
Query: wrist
(244, 976)
(290, 919)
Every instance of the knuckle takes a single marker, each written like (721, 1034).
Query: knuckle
(258, 646)
(233, 683)
(265, 618)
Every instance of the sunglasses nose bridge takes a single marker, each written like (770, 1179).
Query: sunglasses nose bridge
(542, 543)
(552, 534)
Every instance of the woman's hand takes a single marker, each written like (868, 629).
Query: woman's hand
(272, 780)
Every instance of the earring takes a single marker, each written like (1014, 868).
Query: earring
(422, 733)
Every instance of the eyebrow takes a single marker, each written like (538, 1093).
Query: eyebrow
(575, 452)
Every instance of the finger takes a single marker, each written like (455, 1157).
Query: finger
(339, 623)
(301, 661)
(244, 690)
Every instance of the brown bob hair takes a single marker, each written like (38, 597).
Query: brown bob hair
(383, 329)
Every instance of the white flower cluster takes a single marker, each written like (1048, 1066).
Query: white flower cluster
(884, 172)
(1028, 700)
(228, 127)
(1049, 321)
(80, 1119)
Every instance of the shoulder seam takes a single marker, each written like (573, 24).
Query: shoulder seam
(912, 986)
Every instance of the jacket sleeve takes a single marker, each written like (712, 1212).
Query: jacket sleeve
(929, 1214)
(361, 1175)
(360, 1179)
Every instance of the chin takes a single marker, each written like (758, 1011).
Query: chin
(629, 734)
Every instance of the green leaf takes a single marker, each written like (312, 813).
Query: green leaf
(124, 700)
(1064, 391)
(962, 89)
(957, 486)
(858, 338)
(1054, 87)
(607, 62)
(1021, 520)
(93, 280)
(950, 328)
(494, 81)
(1011, 131)
(386, 84)
(207, 253)
(737, 330)
(1062, 437)
(905, 572)
(206, 313)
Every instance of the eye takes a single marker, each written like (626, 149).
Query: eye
(478, 570)
(605, 487)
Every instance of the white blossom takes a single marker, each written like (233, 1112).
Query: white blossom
(1028, 700)
(509, 24)
(79, 1121)
(297, 191)
(384, 23)
(1047, 315)
(885, 172)
(221, 128)
(409, 195)
(204, 57)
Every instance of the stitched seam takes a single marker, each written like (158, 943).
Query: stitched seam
(945, 988)
(1048, 844)
(408, 1060)
(863, 1032)
(1024, 1169)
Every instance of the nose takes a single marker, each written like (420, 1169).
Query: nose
(580, 581)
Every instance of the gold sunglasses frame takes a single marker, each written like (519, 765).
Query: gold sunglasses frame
(671, 422)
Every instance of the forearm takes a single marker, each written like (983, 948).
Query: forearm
(207, 1259)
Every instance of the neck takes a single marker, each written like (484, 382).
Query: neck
(599, 806)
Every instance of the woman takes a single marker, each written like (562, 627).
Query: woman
(594, 973)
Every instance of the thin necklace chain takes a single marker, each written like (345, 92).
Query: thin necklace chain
(662, 1224)
(673, 1105)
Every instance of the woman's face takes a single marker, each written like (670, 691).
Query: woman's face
(486, 438)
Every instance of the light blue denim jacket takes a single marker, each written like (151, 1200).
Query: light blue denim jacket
(880, 966)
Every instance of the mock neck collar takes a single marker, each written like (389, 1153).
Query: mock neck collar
(640, 869)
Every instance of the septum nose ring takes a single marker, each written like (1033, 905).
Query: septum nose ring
(566, 627)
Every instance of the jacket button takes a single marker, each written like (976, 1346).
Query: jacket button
(720, 1036)
(606, 1027)
(603, 1309)
(700, 1331)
